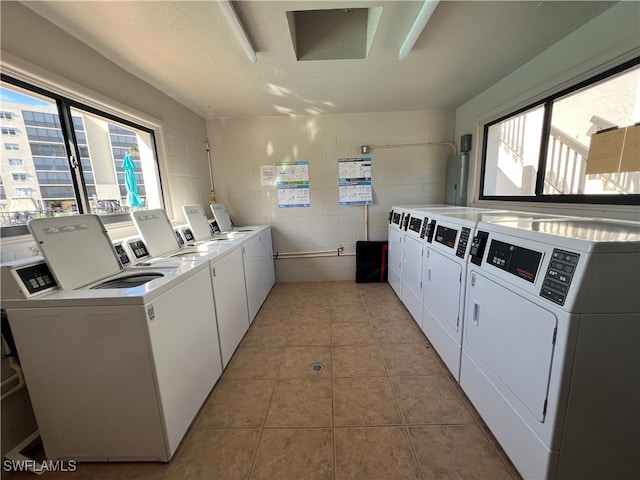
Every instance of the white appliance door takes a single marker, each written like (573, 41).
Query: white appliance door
(514, 337)
(222, 217)
(231, 302)
(412, 276)
(442, 288)
(186, 355)
(253, 276)
(395, 260)
(197, 220)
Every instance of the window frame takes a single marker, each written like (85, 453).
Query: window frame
(64, 106)
(547, 104)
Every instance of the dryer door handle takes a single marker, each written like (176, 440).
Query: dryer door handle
(476, 313)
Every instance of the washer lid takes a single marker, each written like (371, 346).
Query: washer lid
(222, 217)
(197, 220)
(155, 229)
(76, 248)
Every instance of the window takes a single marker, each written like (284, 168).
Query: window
(6, 115)
(23, 192)
(15, 161)
(81, 157)
(580, 145)
(12, 146)
(9, 131)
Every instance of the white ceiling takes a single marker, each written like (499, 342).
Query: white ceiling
(187, 50)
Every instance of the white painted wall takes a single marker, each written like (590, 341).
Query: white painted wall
(407, 175)
(607, 41)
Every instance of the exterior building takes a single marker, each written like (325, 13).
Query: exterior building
(35, 175)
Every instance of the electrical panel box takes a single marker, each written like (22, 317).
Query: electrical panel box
(457, 180)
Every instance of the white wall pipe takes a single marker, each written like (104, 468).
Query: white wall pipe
(425, 144)
(316, 255)
(366, 223)
(338, 252)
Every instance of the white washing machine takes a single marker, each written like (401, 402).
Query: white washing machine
(115, 369)
(224, 221)
(202, 229)
(551, 350)
(257, 252)
(226, 269)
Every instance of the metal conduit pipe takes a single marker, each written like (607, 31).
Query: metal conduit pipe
(338, 252)
(366, 223)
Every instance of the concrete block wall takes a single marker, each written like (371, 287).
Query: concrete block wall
(406, 174)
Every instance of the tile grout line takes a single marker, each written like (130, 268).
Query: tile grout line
(404, 422)
(264, 421)
(333, 410)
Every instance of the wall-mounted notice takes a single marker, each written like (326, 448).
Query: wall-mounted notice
(354, 181)
(267, 174)
(292, 180)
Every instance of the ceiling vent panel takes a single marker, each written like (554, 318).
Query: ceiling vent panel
(336, 34)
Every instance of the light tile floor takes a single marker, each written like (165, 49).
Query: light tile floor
(383, 407)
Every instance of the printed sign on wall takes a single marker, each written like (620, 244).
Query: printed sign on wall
(354, 181)
(292, 180)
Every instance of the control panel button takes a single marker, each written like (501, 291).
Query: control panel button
(557, 280)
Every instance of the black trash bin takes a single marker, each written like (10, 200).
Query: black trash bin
(371, 262)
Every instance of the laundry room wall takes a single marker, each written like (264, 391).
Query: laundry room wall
(603, 43)
(406, 174)
(42, 51)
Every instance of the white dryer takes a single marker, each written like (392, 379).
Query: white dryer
(412, 246)
(551, 350)
(394, 276)
(399, 219)
(445, 269)
(418, 226)
(116, 370)
(447, 246)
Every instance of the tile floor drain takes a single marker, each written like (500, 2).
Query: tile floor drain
(317, 367)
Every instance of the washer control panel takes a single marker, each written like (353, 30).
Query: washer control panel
(36, 278)
(179, 237)
(26, 278)
(122, 255)
(431, 230)
(188, 235)
(446, 236)
(139, 249)
(405, 222)
(518, 261)
(415, 224)
(465, 233)
(560, 271)
(423, 231)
